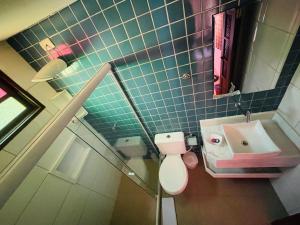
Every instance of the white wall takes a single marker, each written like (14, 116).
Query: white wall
(288, 117)
(45, 198)
(277, 26)
(14, 66)
(16, 16)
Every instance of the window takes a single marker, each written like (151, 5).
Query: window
(17, 109)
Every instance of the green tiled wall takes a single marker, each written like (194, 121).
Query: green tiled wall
(150, 43)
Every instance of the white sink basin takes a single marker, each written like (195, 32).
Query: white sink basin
(249, 140)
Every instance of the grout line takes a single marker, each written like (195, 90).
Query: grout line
(168, 18)
(130, 69)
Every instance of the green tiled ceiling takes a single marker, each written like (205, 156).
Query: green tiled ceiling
(151, 44)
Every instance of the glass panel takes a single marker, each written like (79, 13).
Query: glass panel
(17, 108)
(108, 114)
(112, 120)
(10, 109)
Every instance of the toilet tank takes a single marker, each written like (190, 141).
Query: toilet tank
(131, 147)
(170, 143)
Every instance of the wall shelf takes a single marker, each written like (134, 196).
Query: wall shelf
(71, 161)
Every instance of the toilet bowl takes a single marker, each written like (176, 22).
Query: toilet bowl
(173, 174)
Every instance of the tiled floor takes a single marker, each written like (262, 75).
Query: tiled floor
(210, 201)
(133, 205)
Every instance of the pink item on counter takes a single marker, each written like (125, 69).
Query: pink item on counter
(2, 93)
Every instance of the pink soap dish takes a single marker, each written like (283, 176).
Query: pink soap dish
(215, 139)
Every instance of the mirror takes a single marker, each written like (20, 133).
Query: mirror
(251, 43)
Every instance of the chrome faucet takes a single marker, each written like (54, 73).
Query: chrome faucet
(248, 115)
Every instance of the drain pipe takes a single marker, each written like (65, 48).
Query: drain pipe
(22, 165)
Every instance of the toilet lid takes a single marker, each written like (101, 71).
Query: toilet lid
(173, 175)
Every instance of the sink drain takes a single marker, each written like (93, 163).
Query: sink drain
(245, 143)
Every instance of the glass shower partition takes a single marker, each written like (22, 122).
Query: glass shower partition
(101, 169)
(112, 120)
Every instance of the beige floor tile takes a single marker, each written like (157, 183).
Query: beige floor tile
(133, 205)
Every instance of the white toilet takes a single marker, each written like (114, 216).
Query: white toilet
(173, 174)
